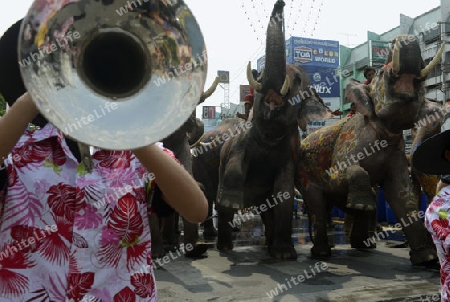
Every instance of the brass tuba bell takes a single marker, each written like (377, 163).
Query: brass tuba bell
(115, 74)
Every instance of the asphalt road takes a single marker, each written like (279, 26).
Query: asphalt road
(248, 274)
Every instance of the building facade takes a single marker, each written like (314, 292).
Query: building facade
(431, 29)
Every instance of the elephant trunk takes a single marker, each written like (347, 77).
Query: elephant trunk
(275, 63)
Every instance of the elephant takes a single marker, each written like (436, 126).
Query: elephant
(165, 228)
(260, 159)
(341, 163)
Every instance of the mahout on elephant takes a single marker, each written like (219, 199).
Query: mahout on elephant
(164, 223)
(341, 163)
(256, 166)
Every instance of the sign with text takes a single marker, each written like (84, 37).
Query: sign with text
(324, 80)
(313, 52)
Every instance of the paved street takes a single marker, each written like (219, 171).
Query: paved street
(248, 274)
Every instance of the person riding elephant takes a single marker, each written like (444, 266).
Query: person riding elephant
(256, 164)
(342, 163)
(165, 227)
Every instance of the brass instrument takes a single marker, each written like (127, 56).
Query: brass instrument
(115, 74)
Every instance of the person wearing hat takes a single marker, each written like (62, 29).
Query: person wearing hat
(69, 231)
(248, 104)
(433, 157)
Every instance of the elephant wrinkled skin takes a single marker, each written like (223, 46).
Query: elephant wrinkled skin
(341, 163)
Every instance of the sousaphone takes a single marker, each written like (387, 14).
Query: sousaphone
(115, 74)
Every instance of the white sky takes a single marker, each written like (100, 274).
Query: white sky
(234, 29)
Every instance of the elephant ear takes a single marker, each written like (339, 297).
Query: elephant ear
(358, 93)
(312, 109)
(430, 113)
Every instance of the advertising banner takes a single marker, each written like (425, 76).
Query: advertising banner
(324, 80)
(313, 52)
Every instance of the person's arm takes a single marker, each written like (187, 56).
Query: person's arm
(14, 123)
(180, 190)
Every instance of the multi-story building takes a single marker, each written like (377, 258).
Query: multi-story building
(431, 29)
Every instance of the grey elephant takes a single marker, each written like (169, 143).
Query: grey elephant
(164, 227)
(341, 163)
(257, 160)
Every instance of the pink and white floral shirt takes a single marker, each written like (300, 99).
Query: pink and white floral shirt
(437, 220)
(66, 235)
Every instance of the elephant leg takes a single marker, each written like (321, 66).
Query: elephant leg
(209, 231)
(225, 221)
(268, 219)
(361, 195)
(404, 203)
(282, 247)
(157, 243)
(193, 248)
(317, 207)
(362, 224)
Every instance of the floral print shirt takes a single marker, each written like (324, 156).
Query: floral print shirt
(437, 222)
(68, 235)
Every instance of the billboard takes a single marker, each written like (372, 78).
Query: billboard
(378, 51)
(209, 112)
(224, 76)
(324, 80)
(313, 52)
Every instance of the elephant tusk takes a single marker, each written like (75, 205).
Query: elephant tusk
(286, 86)
(209, 92)
(437, 58)
(251, 80)
(396, 57)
